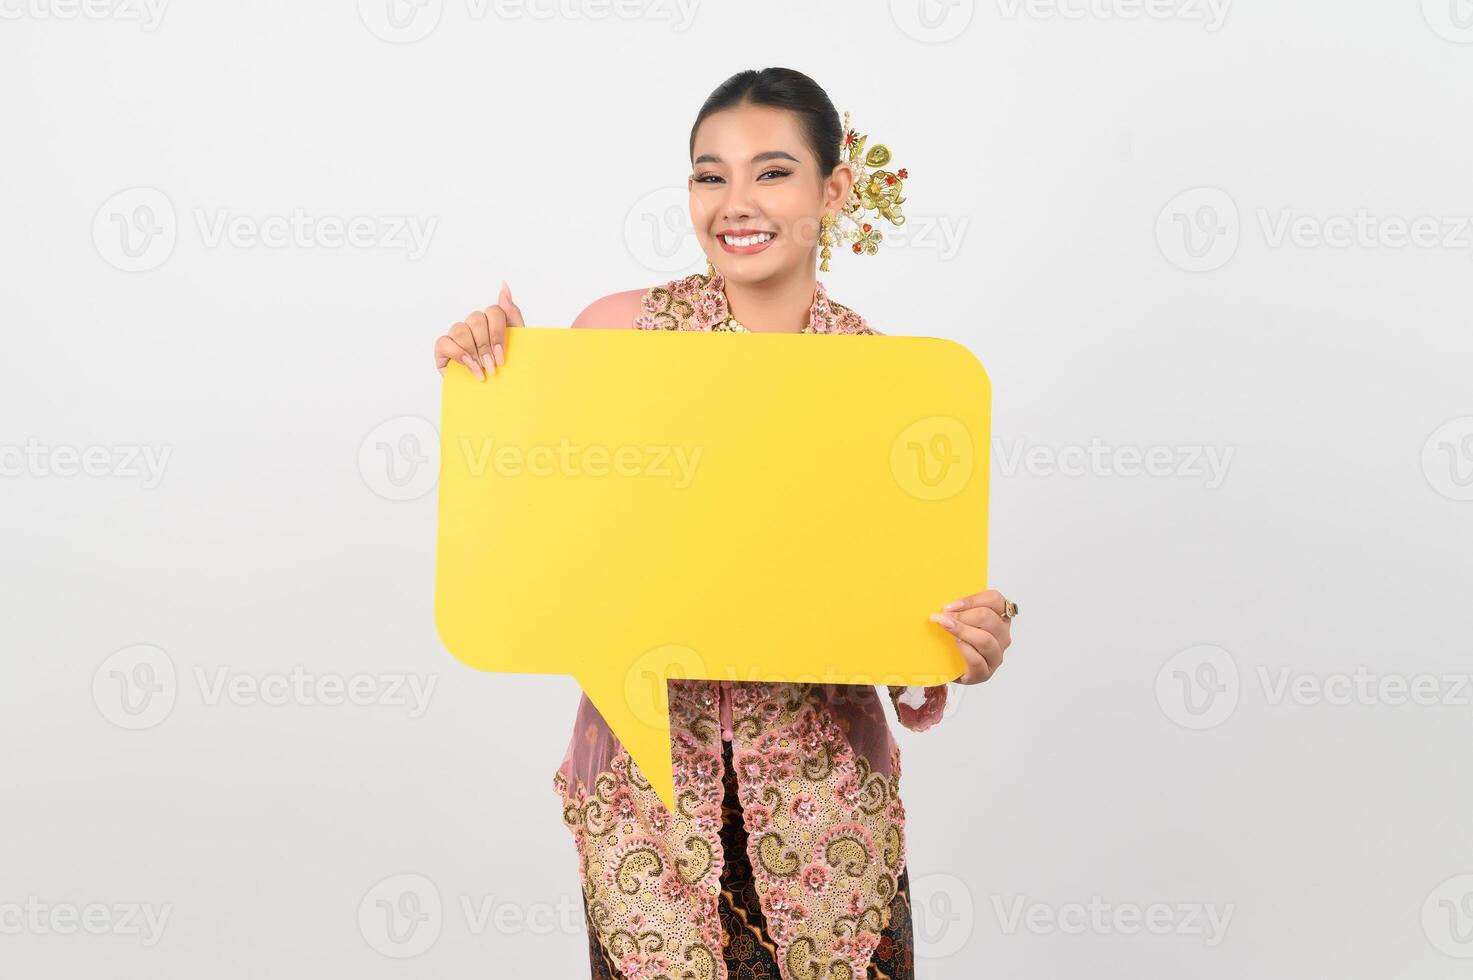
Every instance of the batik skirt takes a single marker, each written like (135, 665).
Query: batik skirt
(750, 953)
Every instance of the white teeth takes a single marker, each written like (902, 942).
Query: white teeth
(747, 240)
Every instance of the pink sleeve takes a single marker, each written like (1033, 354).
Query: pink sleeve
(918, 708)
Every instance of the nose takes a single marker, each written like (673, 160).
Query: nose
(737, 204)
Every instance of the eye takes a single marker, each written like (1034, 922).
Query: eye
(776, 170)
(707, 178)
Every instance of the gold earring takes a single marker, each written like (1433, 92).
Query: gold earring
(826, 239)
(710, 269)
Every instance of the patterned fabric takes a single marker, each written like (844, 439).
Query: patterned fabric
(698, 302)
(816, 776)
(747, 946)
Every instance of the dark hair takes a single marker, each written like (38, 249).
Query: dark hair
(782, 88)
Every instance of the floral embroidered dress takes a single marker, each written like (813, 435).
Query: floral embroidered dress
(818, 777)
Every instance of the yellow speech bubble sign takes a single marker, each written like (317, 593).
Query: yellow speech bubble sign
(629, 506)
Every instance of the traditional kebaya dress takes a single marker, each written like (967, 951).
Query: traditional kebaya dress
(786, 849)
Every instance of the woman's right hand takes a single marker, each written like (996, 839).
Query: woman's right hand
(479, 341)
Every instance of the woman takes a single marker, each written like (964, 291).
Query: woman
(785, 856)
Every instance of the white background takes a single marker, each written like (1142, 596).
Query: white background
(1161, 225)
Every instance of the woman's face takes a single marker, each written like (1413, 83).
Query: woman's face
(755, 178)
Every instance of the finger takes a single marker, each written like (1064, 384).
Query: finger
(494, 318)
(513, 314)
(991, 599)
(447, 350)
(988, 645)
(461, 335)
(497, 317)
(978, 670)
(984, 643)
(988, 620)
(513, 311)
(480, 325)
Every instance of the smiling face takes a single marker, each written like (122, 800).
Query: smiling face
(756, 194)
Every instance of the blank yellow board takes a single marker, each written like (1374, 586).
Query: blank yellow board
(630, 506)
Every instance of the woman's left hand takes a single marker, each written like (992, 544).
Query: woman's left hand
(981, 631)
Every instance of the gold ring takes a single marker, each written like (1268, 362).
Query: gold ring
(1009, 609)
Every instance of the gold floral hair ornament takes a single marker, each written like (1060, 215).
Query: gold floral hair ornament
(875, 189)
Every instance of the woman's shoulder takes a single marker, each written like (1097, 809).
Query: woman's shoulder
(615, 311)
(624, 310)
(851, 322)
(843, 319)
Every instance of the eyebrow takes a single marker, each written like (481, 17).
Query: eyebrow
(769, 155)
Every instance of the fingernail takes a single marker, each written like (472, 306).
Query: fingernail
(506, 289)
(474, 368)
(442, 372)
(953, 606)
(500, 355)
(946, 621)
(490, 365)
